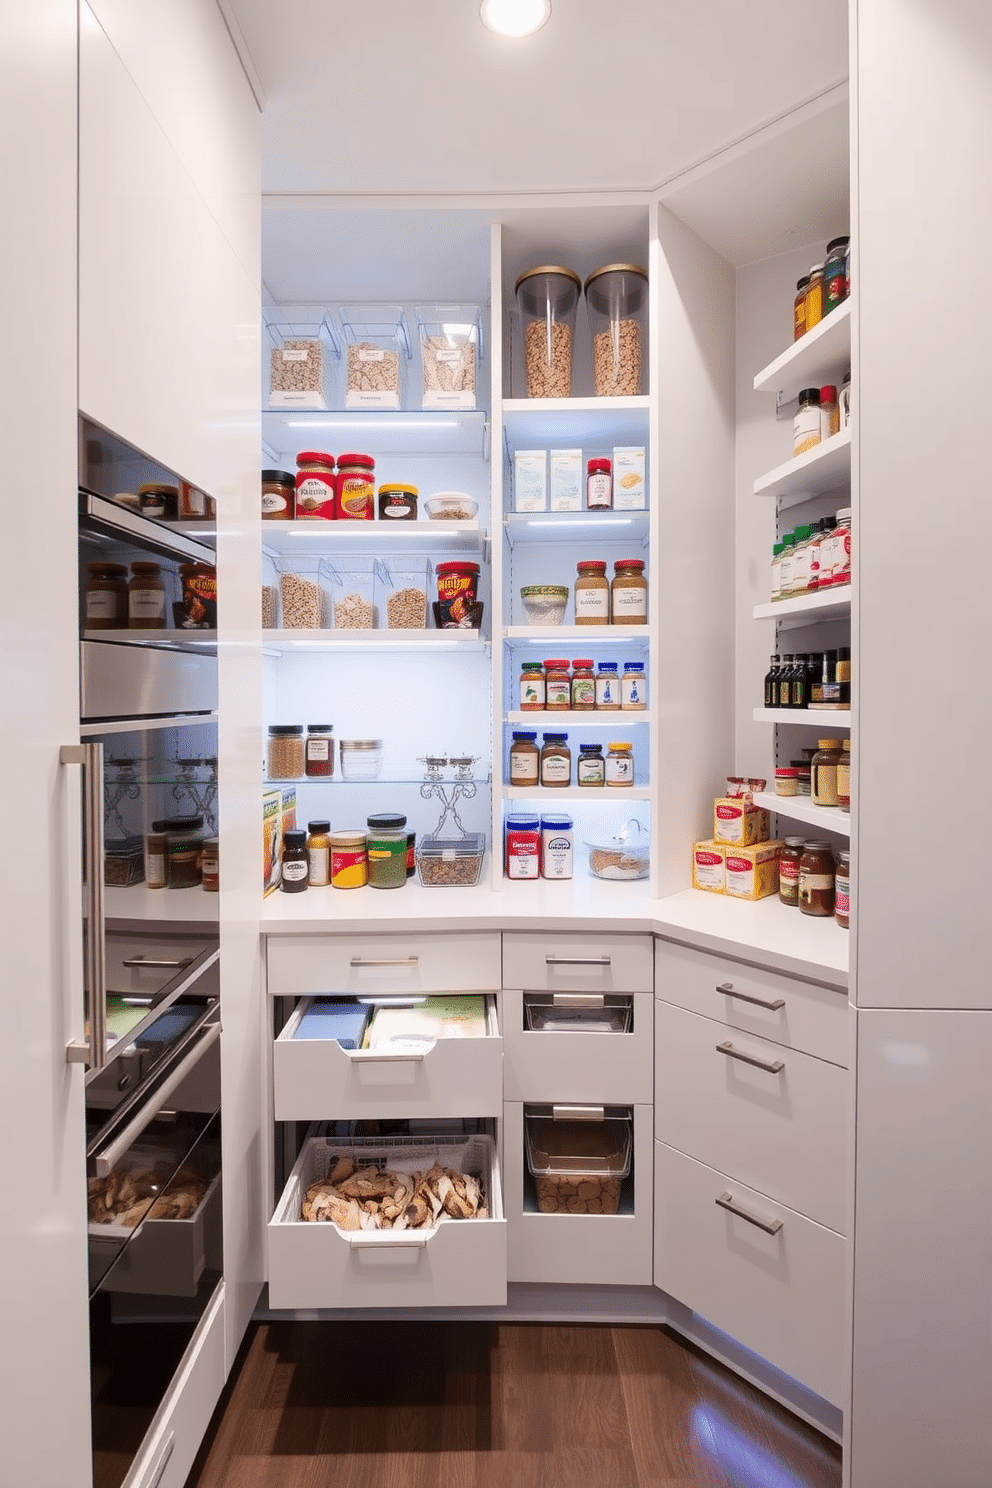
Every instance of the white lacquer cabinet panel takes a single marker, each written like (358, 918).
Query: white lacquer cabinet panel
(578, 962)
(358, 964)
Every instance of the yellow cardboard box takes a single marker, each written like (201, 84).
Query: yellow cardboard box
(709, 866)
(739, 821)
(752, 872)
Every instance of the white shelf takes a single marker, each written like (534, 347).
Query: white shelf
(383, 431)
(372, 640)
(615, 718)
(830, 719)
(547, 795)
(602, 421)
(605, 526)
(594, 634)
(790, 940)
(356, 537)
(825, 604)
(801, 809)
(826, 467)
(174, 640)
(826, 349)
(139, 902)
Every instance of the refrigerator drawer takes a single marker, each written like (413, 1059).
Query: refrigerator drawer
(460, 1263)
(128, 681)
(781, 1294)
(299, 966)
(570, 1056)
(167, 1257)
(315, 1078)
(578, 963)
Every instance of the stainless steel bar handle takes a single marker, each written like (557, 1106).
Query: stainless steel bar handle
(770, 1226)
(578, 1113)
(150, 961)
(578, 960)
(578, 1000)
(727, 988)
(107, 1159)
(377, 1056)
(370, 1241)
(90, 757)
(772, 1066)
(408, 961)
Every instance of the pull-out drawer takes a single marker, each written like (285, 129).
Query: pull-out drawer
(315, 1078)
(167, 1257)
(459, 1263)
(801, 1015)
(764, 1274)
(578, 963)
(772, 1117)
(558, 1047)
(588, 1249)
(360, 964)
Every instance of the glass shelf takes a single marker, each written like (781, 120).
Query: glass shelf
(409, 431)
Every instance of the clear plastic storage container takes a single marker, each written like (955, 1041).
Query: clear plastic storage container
(617, 298)
(377, 339)
(303, 360)
(450, 350)
(578, 1166)
(405, 593)
(305, 587)
(450, 862)
(357, 585)
(547, 298)
(361, 759)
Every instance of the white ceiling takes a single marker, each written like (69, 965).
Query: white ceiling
(415, 96)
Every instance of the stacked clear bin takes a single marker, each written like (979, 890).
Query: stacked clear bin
(360, 593)
(450, 350)
(303, 361)
(377, 341)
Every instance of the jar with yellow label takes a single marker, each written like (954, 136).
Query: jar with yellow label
(629, 592)
(349, 860)
(355, 488)
(823, 784)
(620, 763)
(318, 854)
(844, 777)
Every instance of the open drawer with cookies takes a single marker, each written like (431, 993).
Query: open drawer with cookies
(438, 1055)
(395, 1222)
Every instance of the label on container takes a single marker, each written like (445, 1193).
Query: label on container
(607, 692)
(559, 693)
(590, 771)
(599, 491)
(155, 870)
(532, 690)
(788, 868)
(319, 859)
(355, 499)
(740, 876)
(371, 354)
(810, 881)
(294, 870)
(583, 692)
(842, 898)
(710, 873)
(523, 769)
(556, 769)
(592, 604)
(318, 749)
(806, 429)
(556, 852)
(523, 855)
(632, 691)
(146, 605)
(630, 603)
(299, 355)
(349, 867)
(273, 505)
(315, 496)
(101, 604)
(620, 770)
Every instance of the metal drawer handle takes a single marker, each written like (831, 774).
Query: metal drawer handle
(149, 961)
(727, 988)
(578, 1113)
(396, 961)
(578, 960)
(373, 1056)
(773, 1066)
(578, 1000)
(369, 1242)
(770, 1226)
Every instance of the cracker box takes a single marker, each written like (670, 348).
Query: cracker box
(566, 480)
(530, 480)
(739, 821)
(271, 840)
(629, 490)
(709, 866)
(752, 872)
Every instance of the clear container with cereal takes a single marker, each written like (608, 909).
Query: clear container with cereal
(305, 593)
(547, 299)
(578, 1165)
(450, 350)
(303, 357)
(617, 298)
(378, 346)
(357, 585)
(405, 589)
(451, 862)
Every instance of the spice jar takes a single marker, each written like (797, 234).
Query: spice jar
(629, 592)
(806, 425)
(633, 694)
(157, 500)
(146, 597)
(842, 890)
(547, 298)
(556, 762)
(398, 503)
(183, 850)
(532, 689)
(285, 751)
(361, 759)
(583, 686)
(599, 485)
(814, 297)
(522, 842)
(829, 411)
(386, 845)
(106, 596)
(558, 685)
(787, 781)
(788, 871)
(319, 750)
(295, 865)
(617, 302)
(824, 774)
(318, 854)
(590, 768)
(210, 869)
(315, 486)
(592, 593)
(838, 546)
(155, 861)
(804, 777)
(355, 492)
(620, 763)
(844, 777)
(835, 274)
(816, 880)
(525, 759)
(278, 495)
(349, 861)
(607, 686)
(799, 308)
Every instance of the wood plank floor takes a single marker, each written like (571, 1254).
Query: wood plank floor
(479, 1405)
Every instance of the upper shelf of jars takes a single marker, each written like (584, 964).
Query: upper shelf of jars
(811, 359)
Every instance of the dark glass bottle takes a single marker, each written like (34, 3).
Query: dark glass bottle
(771, 682)
(800, 681)
(295, 864)
(784, 699)
(842, 675)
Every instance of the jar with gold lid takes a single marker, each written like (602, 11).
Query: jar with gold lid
(823, 783)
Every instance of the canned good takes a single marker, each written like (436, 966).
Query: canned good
(457, 595)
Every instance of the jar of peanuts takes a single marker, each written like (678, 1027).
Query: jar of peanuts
(617, 300)
(547, 298)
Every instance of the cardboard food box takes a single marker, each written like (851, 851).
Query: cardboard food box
(739, 821)
(752, 872)
(271, 840)
(566, 480)
(709, 866)
(530, 480)
(629, 490)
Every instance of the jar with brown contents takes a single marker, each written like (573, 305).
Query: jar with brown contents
(278, 496)
(146, 597)
(106, 597)
(285, 751)
(824, 772)
(525, 758)
(556, 762)
(629, 592)
(788, 871)
(816, 880)
(583, 685)
(592, 593)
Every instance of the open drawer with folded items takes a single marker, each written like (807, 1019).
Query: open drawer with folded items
(401, 1057)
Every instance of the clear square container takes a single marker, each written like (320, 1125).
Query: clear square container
(450, 352)
(303, 360)
(577, 1012)
(377, 347)
(357, 587)
(578, 1164)
(305, 590)
(405, 593)
(451, 862)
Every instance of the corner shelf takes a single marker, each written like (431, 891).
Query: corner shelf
(821, 718)
(825, 349)
(801, 809)
(825, 604)
(826, 467)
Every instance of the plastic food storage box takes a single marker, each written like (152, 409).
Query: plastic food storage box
(446, 862)
(578, 1166)
(450, 350)
(305, 593)
(303, 359)
(377, 341)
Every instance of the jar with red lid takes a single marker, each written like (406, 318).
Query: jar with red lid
(315, 486)
(583, 685)
(592, 593)
(356, 488)
(557, 685)
(787, 781)
(629, 592)
(816, 880)
(599, 485)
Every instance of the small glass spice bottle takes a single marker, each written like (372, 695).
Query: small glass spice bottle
(620, 763)
(106, 597)
(525, 758)
(607, 686)
(590, 768)
(829, 411)
(318, 854)
(824, 780)
(814, 297)
(386, 848)
(319, 750)
(633, 689)
(629, 592)
(599, 485)
(592, 593)
(844, 777)
(556, 762)
(532, 688)
(799, 308)
(842, 890)
(146, 597)
(210, 879)
(295, 867)
(558, 685)
(583, 685)
(155, 857)
(835, 274)
(806, 422)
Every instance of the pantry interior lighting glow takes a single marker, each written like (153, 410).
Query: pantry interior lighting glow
(581, 522)
(514, 17)
(374, 422)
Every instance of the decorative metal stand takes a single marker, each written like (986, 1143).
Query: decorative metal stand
(449, 793)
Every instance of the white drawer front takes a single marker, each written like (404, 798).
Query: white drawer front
(316, 1079)
(781, 1131)
(460, 1263)
(610, 1068)
(801, 1015)
(781, 1295)
(580, 963)
(301, 965)
(182, 1420)
(587, 1249)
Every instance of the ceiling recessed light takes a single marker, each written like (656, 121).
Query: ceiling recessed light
(515, 17)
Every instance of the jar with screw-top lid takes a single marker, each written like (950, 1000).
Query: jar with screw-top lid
(285, 751)
(278, 495)
(814, 297)
(617, 302)
(146, 597)
(107, 596)
(844, 777)
(788, 871)
(590, 768)
(592, 593)
(629, 592)
(633, 688)
(547, 298)
(620, 763)
(532, 687)
(386, 849)
(583, 685)
(599, 484)
(799, 308)
(315, 486)
(607, 686)
(816, 880)
(525, 758)
(835, 274)
(806, 432)
(556, 762)
(295, 865)
(824, 781)
(355, 490)
(557, 685)
(318, 854)
(842, 889)
(319, 750)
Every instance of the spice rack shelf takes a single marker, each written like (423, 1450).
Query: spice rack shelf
(801, 809)
(175, 640)
(282, 641)
(825, 349)
(826, 467)
(548, 527)
(547, 794)
(595, 634)
(411, 432)
(282, 538)
(821, 718)
(828, 604)
(615, 718)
